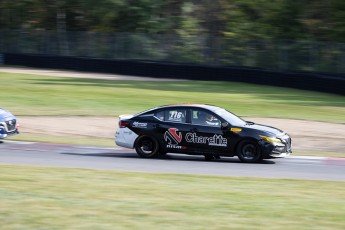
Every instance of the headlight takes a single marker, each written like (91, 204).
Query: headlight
(270, 139)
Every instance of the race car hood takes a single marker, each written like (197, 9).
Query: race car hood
(5, 114)
(267, 129)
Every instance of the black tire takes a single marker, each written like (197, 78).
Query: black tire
(147, 147)
(208, 157)
(248, 151)
(162, 153)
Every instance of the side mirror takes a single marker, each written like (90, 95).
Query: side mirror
(225, 125)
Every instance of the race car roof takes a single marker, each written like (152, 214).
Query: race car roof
(205, 106)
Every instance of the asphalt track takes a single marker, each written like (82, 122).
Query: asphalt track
(43, 154)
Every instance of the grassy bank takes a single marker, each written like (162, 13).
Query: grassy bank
(51, 198)
(47, 95)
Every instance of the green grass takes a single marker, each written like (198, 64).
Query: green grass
(51, 198)
(47, 95)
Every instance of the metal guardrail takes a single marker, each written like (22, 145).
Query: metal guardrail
(278, 55)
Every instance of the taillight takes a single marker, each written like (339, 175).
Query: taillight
(123, 124)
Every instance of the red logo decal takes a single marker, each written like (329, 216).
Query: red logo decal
(178, 137)
(172, 136)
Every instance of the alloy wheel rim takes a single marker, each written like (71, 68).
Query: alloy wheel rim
(249, 152)
(146, 147)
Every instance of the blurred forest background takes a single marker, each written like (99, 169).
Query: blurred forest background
(306, 35)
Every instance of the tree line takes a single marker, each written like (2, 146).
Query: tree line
(316, 20)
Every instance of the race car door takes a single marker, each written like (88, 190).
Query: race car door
(206, 134)
(173, 128)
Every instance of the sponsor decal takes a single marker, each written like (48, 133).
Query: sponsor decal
(172, 136)
(176, 147)
(215, 140)
(139, 124)
(236, 130)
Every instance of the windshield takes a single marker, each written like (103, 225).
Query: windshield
(231, 118)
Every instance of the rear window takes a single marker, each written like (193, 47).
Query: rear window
(160, 115)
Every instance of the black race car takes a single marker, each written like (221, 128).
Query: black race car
(200, 130)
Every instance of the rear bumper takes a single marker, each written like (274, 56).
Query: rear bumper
(125, 137)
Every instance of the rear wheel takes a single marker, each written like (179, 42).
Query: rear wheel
(147, 147)
(248, 151)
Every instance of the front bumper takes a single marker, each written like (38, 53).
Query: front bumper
(4, 134)
(8, 128)
(275, 154)
(276, 150)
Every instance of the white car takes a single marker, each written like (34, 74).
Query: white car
(8, 124)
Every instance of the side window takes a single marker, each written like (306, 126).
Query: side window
(201, 117)
(175, 115)
(160, 115)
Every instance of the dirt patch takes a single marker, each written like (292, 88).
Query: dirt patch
(307, 136)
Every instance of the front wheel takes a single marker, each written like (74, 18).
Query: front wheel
(147, 147)
(248, 151)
